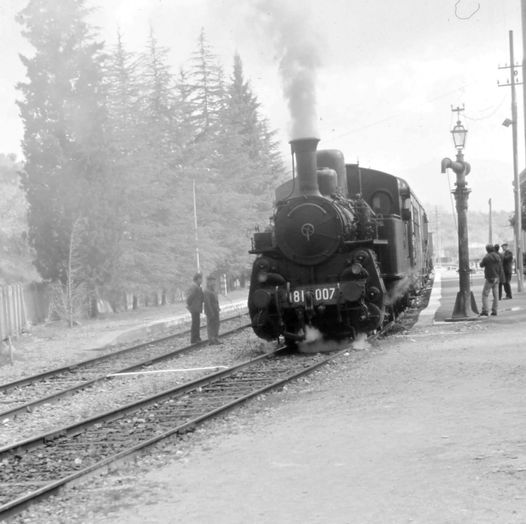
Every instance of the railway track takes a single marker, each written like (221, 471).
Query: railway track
(39, 466)
(25, 394)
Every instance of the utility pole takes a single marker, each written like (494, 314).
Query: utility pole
(523, 18)
(196, 236)
(516, 182)
(437, 229)
(490, 241)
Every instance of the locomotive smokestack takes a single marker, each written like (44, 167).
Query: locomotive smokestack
(304, 150)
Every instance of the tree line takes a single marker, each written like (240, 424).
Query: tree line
(116, 145)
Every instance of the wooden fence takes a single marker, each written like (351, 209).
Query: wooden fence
(21, 305)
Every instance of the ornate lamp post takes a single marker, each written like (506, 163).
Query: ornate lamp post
(465, 305)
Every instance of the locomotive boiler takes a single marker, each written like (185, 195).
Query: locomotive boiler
(333, 263)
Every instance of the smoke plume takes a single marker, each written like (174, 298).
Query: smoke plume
(298, 48)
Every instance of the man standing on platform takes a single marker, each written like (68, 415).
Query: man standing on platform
(492, 266)
(194, 304)
(507, 264)
(211, 311)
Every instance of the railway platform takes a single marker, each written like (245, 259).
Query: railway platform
(444, 292)
(229, 304)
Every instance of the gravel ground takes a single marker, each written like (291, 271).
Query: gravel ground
(52, 344)
(121, 390)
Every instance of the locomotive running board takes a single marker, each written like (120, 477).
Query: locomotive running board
(374, 242)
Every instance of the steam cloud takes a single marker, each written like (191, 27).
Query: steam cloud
(298, 46)
(315, 342)
(401, 288)
(360, 343)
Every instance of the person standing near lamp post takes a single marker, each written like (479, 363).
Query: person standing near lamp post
(507, 265)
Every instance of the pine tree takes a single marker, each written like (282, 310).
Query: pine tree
(151, 235)
(13, 204)
(183, 112)
(124, 132)
(248, 145)
(122, 90)
(63, 119)
(15, 261)
(198, 108)
(250, 166)
(206, 95)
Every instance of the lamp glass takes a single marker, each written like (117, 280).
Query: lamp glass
(459, 133)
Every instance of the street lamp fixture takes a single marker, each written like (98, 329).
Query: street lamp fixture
(459, 133)
(465, 305)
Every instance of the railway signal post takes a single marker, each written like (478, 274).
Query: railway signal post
(465, 305)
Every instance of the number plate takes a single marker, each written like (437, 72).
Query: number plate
(319, 293)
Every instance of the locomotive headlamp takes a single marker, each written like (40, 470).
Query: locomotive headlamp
(263, 267)
(263, 264)
(352, 291)
(261, 298)
(272, 279)
(361, 256)
(459, 133)
(356, 268)
(373, 293)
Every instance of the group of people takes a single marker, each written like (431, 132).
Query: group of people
(196, 300)
(498, 267)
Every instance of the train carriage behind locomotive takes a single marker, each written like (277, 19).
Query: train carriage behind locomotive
(345, 249)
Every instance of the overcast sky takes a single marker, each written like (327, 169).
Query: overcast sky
(384, 75)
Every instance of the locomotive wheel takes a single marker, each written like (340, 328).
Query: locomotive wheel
(291, 343)
(263, 326)
(376, 317)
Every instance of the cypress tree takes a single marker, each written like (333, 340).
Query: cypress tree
(63, 115)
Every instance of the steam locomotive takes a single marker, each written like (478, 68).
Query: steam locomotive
(345, 251)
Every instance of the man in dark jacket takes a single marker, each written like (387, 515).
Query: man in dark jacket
(492, 267)
(194, 304)
(507, 264)
(502, 277)
(211, 311)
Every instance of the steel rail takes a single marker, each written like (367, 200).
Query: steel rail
(219, 382)
(91, 361)
(29, 405)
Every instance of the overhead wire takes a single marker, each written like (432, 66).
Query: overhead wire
(400, 114)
